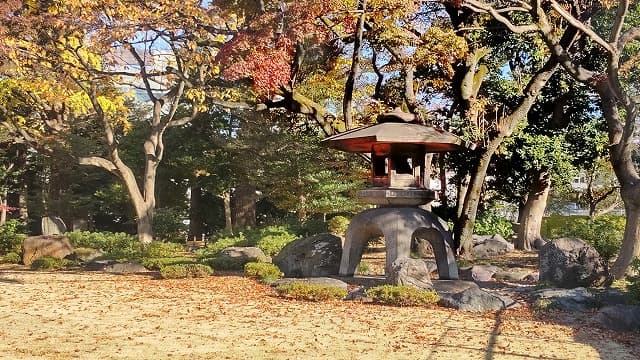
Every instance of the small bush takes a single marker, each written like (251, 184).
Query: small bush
(183, 271)
(11, 258)
(489, 223)
(273, 239)
(214, 248)
(158, 249)
(49, 263)
(311, 292)
(338, 225)
(114, 245)
(267, 272)
(604, 233)
(634, 282)
(159, 263)
(12, 233)
(363, 268)
(402, 295)
(168, 225)
(225, 264)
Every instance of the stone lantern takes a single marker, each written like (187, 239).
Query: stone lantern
(398, 186)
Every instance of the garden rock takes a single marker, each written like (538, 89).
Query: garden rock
(570, 263)
(35, 247)
(480, 239)
(494, 246)
(86, 255)
(313, 256)
(572, 300)
(620, 317)
(410, 272)
(483, 272)
(431, 265)
(319, 281)
(243, 255)
(467, 296)
(129, 267)
(515, 274)
(358, 294)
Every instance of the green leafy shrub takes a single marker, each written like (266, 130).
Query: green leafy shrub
(183, 271)
(225, 263)
(489, 223)
(11, 258)
(12, 233)
(402, 295)
(158, 249)
(114, 245)
(338, 225)
(159, 263)
(270, 240)
(311, 292)
(273, 238)
(267, 272)
(168, 225)
(49, 263)
(604, 233)
(634, 282)
(214, 248)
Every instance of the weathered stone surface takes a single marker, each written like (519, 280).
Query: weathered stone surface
(410, 272)
(314, 256)
(514, 274)
(398, 226)
(243, 254)
(52, 225)
(572, 300)
(480, 239)
(620, 317)
(570, 263)
(467, 296)
(320, 281)
(538, 243)
(35, 247)
(607, 297)
(431, 265)
(483, 272)
(129, 267)
(98, 265)
(494, 246)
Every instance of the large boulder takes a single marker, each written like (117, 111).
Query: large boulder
(313, 256)
(620, 317)
(570, 263)
(467, 296)
(114, 267)
(489, 247)
(55, 246)
(410, 272)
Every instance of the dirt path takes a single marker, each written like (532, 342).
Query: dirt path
(67, 315)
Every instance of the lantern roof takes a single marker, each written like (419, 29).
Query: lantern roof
(363, 139)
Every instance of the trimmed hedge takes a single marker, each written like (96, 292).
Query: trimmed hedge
(311, 292)
(159, 263)
(183, 271)
(267, 273)
(402, 295)
(11, 258)
(49, 263)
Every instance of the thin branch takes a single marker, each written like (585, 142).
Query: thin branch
(481, 7)
(621, 14)
(99, 162)
(582, 27)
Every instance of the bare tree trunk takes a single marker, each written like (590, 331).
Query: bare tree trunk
(228, 224)
(145, 226)
(533, 212)
(195, 213)
(444, 199)
(244, 206)
(630, 248)
(355, 68)
(463, 187)
(3, 209)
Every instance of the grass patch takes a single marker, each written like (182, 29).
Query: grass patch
(311, 292)
(402, 295)
(49, 263)
(183, 271)
(10, 258)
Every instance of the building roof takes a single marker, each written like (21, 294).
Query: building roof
(362, 139)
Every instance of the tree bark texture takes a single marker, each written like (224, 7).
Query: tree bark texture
(533, 212)
(244, 206)
(195, 213)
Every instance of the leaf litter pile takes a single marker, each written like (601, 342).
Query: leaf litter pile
(84, 315)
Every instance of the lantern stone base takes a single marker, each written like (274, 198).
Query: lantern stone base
(396, 197)
(398, 226)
